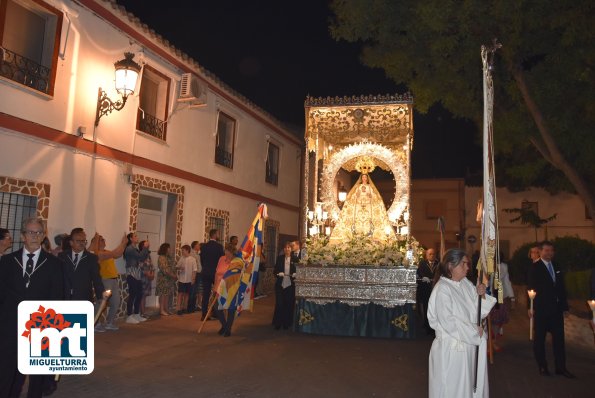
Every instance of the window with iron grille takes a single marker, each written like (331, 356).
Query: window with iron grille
(14, 209)
(30, 40)
(153, 103)
(270, 245)
(272, 165)
(218, 223)
(226, 130)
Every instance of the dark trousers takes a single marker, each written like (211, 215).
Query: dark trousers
(18, 380)
(423, 298)
(553, 323)
(192, 295)
(207, 285)
(284, 306)
(135, 295)
(255, 279)
(226, 323)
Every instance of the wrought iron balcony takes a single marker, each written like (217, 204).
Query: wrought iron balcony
(151, 125)
(25, 71)
(223, 157)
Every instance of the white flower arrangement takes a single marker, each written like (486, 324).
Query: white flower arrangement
(362, 250)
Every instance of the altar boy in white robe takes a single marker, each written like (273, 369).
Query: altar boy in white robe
(452, 313)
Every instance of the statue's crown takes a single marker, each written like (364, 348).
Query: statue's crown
(365, 165)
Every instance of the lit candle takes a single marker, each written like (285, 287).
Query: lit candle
(532, 294)
(405, 230)
(327, 231)
(406, 216)
(324, 215)
(592, 306)
(342, 196)
(387, 230)
(310, 215)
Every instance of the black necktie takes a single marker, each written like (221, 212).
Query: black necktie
(76, 260)
(29, 268)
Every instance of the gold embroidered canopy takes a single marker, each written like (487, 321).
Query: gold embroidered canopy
(348, 132)
(340, 121)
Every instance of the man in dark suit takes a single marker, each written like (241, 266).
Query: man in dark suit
(284, 271)
(210, 253)
(550, 307)
(27, 274)
(425, 276)
(81, 269)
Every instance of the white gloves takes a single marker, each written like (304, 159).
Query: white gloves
(281, 274)
(426, 279)
(293, 275)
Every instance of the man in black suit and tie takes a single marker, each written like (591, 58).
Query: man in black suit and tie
(425, 276)
(210, 253)
(27, 274)
(81, 270)
(550, 307)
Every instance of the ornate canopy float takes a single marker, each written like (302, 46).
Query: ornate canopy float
(357, 270)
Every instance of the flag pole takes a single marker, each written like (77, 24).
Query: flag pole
(489, 217)
(479, 280)
(212, 302)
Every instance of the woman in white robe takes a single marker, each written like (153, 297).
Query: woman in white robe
(452, 313)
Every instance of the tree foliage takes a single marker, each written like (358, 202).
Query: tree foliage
(547, 60)
(528, 216)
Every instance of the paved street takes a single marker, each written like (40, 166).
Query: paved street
(167, 358)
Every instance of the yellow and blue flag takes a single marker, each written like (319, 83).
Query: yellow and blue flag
(236, 289)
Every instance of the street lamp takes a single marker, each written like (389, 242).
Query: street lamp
(127, 72)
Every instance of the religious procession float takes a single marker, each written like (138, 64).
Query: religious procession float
(358, 277)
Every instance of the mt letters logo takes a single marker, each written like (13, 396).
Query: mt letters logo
(56, 337)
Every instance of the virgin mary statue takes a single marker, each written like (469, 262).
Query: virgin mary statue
(363, 214)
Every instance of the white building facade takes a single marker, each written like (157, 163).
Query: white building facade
(171, 164)
(571, 217)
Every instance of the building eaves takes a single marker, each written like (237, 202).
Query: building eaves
(215, 83)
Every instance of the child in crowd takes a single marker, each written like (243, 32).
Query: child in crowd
(187, 269)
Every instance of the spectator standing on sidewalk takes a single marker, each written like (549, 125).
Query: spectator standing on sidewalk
(166, 280)
(196, 289)
(5, 240)
(109, 276)
(187, 269)
(147, 276)
(210, 254)
(134, 259)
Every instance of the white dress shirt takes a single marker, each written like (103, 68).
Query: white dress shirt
(25, 258)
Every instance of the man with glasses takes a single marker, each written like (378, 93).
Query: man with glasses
(5, 240)
(27, 274)
(81, 270)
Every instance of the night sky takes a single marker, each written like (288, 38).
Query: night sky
(276, 52)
